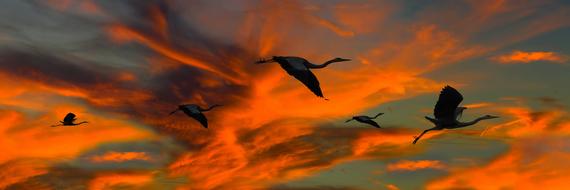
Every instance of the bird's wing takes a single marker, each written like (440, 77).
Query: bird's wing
(200, 118)
(371, 122)
(70, 117)
(449, 99)
(308, 79)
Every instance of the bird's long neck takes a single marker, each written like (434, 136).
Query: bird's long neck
(313, 66)
(210, 108)
(379, 114)
(475, 121)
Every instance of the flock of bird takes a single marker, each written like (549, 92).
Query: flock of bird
(447, 111)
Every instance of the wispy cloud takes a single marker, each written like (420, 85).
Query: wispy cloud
(413, 165)
(528, 57)
(121, 157)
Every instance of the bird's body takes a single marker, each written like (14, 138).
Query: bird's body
(447, 112)
(300, 68)
(366, 119)
(69, 120)
(195, 112)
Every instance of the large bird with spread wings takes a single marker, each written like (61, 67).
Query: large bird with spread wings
(69, 120)
(300, 68)
(447, 111)
(366, 119)
(195, 112)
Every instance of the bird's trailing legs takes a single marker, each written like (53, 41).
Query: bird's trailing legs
(422, 134)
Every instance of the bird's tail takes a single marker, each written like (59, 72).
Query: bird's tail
(432, 120)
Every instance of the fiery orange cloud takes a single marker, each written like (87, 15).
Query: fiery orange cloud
(527, 57)
(12, 172)
(113, 156)
(392, 187)
(478, 105)
(524, 167)
(536, 158)
(410, 165)
(110, 181)
(43, 141)
(120, 33)
(527, 122)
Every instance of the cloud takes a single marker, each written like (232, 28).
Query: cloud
(17, 170)
(478, 105)
(413, 165)
(120, 157)
(530, 164)
(528, 57)
(110, 181)
(538, 147)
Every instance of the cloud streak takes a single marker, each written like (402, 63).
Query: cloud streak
(528, 57)
(409, 165)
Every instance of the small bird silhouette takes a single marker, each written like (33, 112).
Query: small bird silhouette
(447, 111)
(366, 119)
(69, 120)
(300, 69)
(195, 112)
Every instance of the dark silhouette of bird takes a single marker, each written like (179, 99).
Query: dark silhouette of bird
(447, 111)
(366, 119)
(69, 120)
(195, 112)
(300, 69)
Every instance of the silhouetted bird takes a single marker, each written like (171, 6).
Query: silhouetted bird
(195, 112)
(69, 120)
(446, 112)
(300, 69)
(366, 119)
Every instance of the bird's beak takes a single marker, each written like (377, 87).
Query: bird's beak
(343, 59)
(493, 117)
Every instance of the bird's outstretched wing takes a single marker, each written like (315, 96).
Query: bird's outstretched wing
(308, 79)
(370, 122)
(449, 99)
(200, 118)
(70, 117)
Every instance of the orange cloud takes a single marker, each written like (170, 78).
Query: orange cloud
(12, 172)
(111, 181)
(392, 187)
(409, 165)
(527, 122)
(526, 166)
(536, 159)
(42, 141)
(527, 57)
(113, 156)
(478, 105)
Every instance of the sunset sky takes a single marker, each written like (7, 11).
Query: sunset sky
(124, 65)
